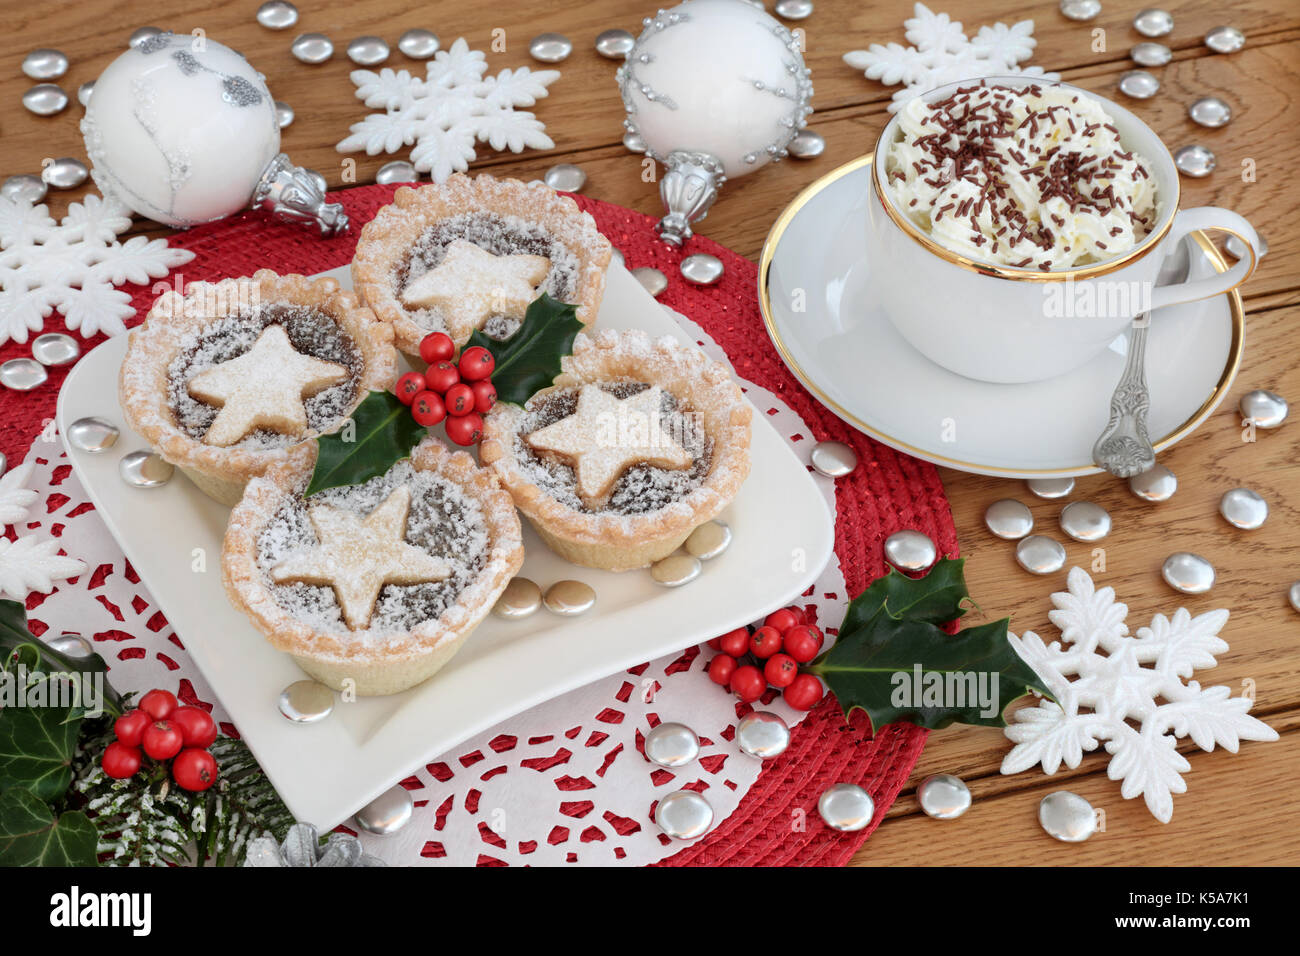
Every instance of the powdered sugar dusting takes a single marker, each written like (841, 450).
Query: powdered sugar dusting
(501, 235)
(443, 521)
(641, 489)
(310, 331)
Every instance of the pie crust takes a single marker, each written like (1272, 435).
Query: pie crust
(387, 240)
(621, 542)
(370, 661)
(144, 384)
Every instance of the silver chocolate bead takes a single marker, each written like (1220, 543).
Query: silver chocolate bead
(569, 598)
(1187, 572)
(1244, 509)
(671, 745)
(23, 374)
(306, 701)
(1149, 53)
(675, 570)
(397, 171)
(1210, 111)
(418, 44)
(1009, 519)
(520, 599)
(834, 459)
(66, 172)
(1051, 487)
(1195, 161)
(684, 815)
(1080, 10)
(92, 435)
(144, 469)
(1225, 39)
(709, 540)
(45, 99)
(388, 812)
(651, 279)
(312, 48)
(566, 177)
(807, 144)
(615, 44)
(1139, 84)
(702, 268)
(910, 550)
(45, 64)
(368, 51)
(1085, 521)
(1039, 554)
(846, 807)
(762, 734)
(277, 15)
(943, 796)
(1154, 23)
(55, 348)
(24, 188)
(1266, 409)
(1157, 483)
(1067, 816)
(550, 47)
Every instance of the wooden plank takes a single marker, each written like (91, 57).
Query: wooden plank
(1230, 816)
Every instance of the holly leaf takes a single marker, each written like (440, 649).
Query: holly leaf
(31, 835)
(893, 660)
(529, 360)
(19, 645)
(380, 433)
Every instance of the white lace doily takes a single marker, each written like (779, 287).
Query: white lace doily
(563, 782)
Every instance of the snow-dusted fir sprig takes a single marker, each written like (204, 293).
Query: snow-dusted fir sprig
(453, 107)
(73, 266)
(1106, 681)
(942, 53)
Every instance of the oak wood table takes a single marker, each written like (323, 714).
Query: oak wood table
(1236, 805)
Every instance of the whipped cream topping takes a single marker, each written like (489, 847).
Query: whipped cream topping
(1030, 179)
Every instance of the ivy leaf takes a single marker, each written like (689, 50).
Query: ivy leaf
(380, 433)
(529, 360)
(31, 835)
(37, 744)
(893, 661)
(18, 645)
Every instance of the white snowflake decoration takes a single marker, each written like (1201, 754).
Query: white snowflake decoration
(15, 499)
(73, 267)
(28, 565)
(449, 110)
(1112, 683)
(941, 53)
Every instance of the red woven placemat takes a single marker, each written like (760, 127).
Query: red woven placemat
(776, 822)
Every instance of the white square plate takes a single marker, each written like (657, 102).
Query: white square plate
(328, 770)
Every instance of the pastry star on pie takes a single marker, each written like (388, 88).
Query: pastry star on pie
(607, 435)
(474, 284)
(357, 556)
(263, 388)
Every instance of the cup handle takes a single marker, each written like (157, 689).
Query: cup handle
(1213, 219)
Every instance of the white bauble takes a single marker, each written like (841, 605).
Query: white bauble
(717, 77)
(181, 129)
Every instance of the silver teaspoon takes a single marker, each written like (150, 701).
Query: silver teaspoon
(1124, 448)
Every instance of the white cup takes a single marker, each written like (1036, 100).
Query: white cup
(999, 324)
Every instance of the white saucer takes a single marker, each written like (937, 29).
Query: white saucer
(815, 292)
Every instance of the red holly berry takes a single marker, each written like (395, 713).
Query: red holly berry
(437, 347)
(130, 726)
(459, 399)
(441, 376)
(804, 692)
(485, 396)
(721, 668)
(120, 761)
(781, 670)
(197, 727)
(714, 643)
(782, 620)
(428, 409)
(162, 740)
(158, 704)
(765, 642)
(465, 430)
(803, 642)
(195, 769)
(408, 386)
(735, 643)
(747, 683)
(476, 363)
